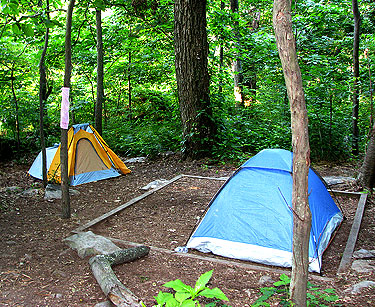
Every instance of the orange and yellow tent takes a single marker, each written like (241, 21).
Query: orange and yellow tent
(89, 158)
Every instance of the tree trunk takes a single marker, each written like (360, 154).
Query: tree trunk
(65, 197)
(282, 22)
(112, 287)
(191, 51)
(17, 108)
(42, 99)
(221, 57)
(100, 74)
(236, 65)
(130, 86)
(370, 89)
(366, 175)
(355, 132)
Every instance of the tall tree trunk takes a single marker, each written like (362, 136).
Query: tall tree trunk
(236, 65)
(130, 86)
(17, 108)
(191, 51)
(330, 123)
(100, 74)
(366, 175)
(251, 83)
(65, 200)
(370, 88)
(42, 100)
(355, 132)
(282, 22)
(221, 57)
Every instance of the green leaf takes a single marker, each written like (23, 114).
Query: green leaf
(330, 290)
(267, 292)
(16, 30)
(182, 295)
(214, 293)
(28, 30)
(188, 303)
(172, 302)
(178, 285)
(57, 23)
(284, 281)
(163, 297)
(99, 4)
(331, 298)
(202, 281)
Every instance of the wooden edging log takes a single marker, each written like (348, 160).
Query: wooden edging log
(353, 235)
(242, 264)
(115, 291)
(122, 207)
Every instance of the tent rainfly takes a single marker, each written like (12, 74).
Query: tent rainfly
(250, 218)
(89, 158)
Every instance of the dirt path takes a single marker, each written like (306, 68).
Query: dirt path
(38, 269)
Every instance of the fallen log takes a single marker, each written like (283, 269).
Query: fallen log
(115, 291)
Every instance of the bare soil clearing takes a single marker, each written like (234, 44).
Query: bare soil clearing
(38, 269)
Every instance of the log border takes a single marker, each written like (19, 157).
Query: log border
(353, 235)
(138, 198)
(239, 263)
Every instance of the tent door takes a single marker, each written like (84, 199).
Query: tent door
(87, 159)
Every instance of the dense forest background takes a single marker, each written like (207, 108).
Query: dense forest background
(140, 110)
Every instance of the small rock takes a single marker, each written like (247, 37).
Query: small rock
(332, 180)
(58, 295)
(249, 292)
(168, 153)
(362, 285)
(364, 253)
(265, 280)
(136, 160)
(53, 191)
(154, 184)
(363, 266)
(29, 192)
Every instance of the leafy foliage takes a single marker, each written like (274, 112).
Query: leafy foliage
(280, 293)
(141, 112)
(186, 296)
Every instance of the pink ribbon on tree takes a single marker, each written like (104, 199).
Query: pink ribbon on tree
(64, 118)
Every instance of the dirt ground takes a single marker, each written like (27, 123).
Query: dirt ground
(38, 269)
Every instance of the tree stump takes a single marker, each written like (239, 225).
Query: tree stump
(112, 287)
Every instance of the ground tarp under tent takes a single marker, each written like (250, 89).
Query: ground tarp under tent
(250, 218)
(89, 158)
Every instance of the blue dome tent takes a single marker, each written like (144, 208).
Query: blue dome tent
(250, 218)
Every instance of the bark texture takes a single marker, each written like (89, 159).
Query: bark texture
(12, 78)
(282, 22)
(366, 176)
(112, 287)
(42, 98)
(355, 131)
(65, 197)
(191, 51)
(99, 74)
(236, 65)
